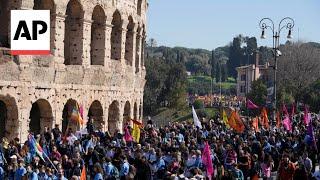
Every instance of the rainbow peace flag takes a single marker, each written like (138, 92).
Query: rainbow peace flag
(35, 148)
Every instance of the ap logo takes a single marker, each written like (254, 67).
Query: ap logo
(30, 32)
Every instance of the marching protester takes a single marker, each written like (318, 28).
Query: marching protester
(206, 149)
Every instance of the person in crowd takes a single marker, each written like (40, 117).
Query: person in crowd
(174, 151)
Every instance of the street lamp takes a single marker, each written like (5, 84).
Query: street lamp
(267, 23)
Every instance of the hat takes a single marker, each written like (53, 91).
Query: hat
(13, 157)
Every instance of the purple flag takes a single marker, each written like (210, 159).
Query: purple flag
(251, 105)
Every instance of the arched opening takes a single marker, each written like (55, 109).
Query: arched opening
(127, 112)
(135, 111)
(8, 117)
(129, 42)
(40, 116)
(138, 49)
(139, 7)
(4, 23)
(98, 36)
(3, 118)
(67, 122)
(96, 115)
(48, 5)
(113, 117)
(116, 35)
(73, 37)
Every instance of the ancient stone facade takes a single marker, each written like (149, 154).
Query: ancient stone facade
(96, 65)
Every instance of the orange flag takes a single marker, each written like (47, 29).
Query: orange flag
(255, 124)
(83, 173)
(235, 122)
(278, 120)
(264, 118)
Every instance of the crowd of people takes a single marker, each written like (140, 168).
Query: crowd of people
(173, 152)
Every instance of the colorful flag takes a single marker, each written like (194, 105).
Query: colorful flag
(76, 115)
(251, 105)
(83, 173)
(207, 160)
(34, 147)
(264, 118)
(225, 118)
(287, 123)
(255, 124)
(136, 131)
(196, 121)
(306, 117)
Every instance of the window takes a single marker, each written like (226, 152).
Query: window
(242, 89)
(243, 77)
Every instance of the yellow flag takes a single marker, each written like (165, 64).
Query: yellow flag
(225, 118)
(136, 132)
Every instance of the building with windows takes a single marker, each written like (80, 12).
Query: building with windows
(249, 73)
(96, 65)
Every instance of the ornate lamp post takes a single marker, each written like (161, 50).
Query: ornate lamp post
(267, 23)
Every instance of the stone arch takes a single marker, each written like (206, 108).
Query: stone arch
(40, 116)
(127, 112)
(48, 5)
(138, 49)
(135, 111)
(113, 117)
(116, 36)
(67, 123)
(96, 115)
(73, 36)
(129, 41)
(139, 7)
(98, 36)
(8, 117)
(4, 23)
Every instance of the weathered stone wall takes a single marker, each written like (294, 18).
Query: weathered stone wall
(88, 75)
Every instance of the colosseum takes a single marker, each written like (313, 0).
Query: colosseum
(96, 63)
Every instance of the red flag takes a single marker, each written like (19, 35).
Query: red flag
(264, 118)
(207, 160)
(83, 173)
(251, 105)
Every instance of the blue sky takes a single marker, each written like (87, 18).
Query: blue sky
(212, 23)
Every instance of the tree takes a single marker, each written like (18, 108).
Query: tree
(258, 93)
(298, 68)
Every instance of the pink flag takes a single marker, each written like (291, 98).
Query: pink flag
(285, 110)
(251, 105)
(127, 135)
(306, 117)
(287, 123)
(207, 160)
